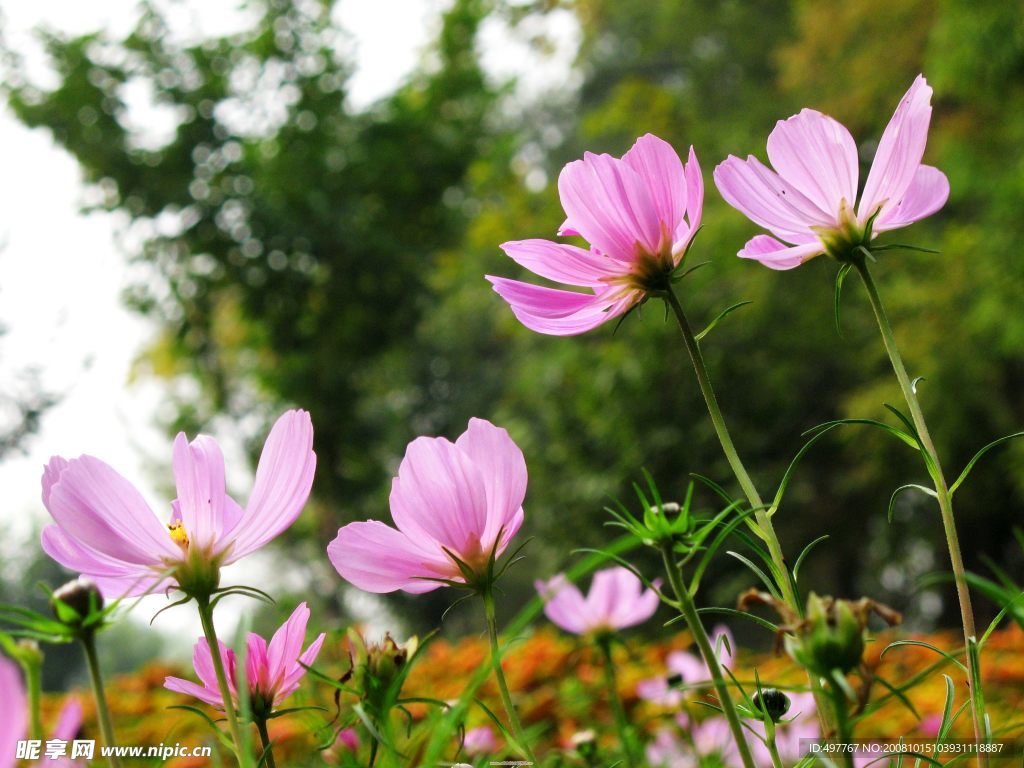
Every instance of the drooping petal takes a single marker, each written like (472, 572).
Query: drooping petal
(115, 578)
(286, 645)
(211, 697)
(69, 721)
(439, 496)
(107, 514)
(610, 206)
(926, 194)
(199, 478)
(818, 156)
(564, 604)
(562, 263)
(283, 481)
(13, 712)
(766, 199)
(377, 558)
(899, 150)
(555, 312)
(776, 255)
(659, 166)
(503, 469)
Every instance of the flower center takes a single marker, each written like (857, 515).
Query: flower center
(843, 240)
(178, 534)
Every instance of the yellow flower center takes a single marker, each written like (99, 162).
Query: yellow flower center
(178, 534)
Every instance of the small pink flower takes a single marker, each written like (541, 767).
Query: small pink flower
(105, 530)
(464, 498)
(807, 202)
(479, 741)
(14, 717)
(639, 214)
(686, 669)
(272, 671)
(710, 743)
(617, 599)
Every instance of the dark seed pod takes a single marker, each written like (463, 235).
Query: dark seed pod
(773, 702)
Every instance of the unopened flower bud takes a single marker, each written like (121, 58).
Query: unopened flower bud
(80, 594)
(771, 702)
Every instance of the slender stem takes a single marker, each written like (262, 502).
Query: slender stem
(621, 721)
(34, 684)
(769, 740)
(206, 617)
(506, 697)
(941, 488)
(88, 641)
(764, 523)
(843, 734)
(763, 520)
(268, 749)
(692, 618)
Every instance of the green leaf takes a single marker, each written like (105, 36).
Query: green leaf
(768, 583)
(923, 644)
(738, 614)
(907, 487)
(844, 270)
(898, 694)
(806, 551)
(970, 465)
(721, 316)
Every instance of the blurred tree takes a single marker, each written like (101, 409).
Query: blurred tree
(302, 252)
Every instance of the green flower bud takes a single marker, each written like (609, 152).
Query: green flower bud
(376, 666)
(76, 604)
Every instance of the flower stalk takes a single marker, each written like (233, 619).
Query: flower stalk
(492, 631)
(206, 617)
(942, 493)
(268, 748)
(88, 640)
(615, 701)
(684, 602)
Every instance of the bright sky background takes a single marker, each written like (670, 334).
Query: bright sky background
(61, 272)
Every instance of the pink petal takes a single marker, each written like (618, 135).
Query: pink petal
(567, 230)
(688, 666)
(609, 204)
(562, 263)
(818, 156)
(439, 497)
(661, 170)
(199, 477)
(115, 578)
(69, 721)
(189, 688)
(503, 469)
(926, 194)
(295, 675)
(377, 558)
(202, 662)
(107, 514)
(694, 190)
(555, 312)
(776, 255)
(51, 474)
(564, 604)
(766, 199)
(13, 712)
(257, 666)
(899, 150)
(283, 481)
(286, 645)
(609, 589)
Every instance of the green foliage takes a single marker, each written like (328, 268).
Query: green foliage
(316, 255)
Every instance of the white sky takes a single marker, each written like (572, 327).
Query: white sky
(61, 272)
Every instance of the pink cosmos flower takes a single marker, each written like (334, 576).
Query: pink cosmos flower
(639, 214)
(272, 671)
(617, 599)
(105, 530)
(686, 669)
(710, 742)
(807, 202)
(464, 498)
(14, 719)
(480, 741)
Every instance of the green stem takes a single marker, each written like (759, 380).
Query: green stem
(941, 489)
(506, 697)
(268, 749)
(34, 684)
(206, 617)
(764, 522)
(621, 721)
(769, 740)
(692, 618)
(843, 733)
(88, 641)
